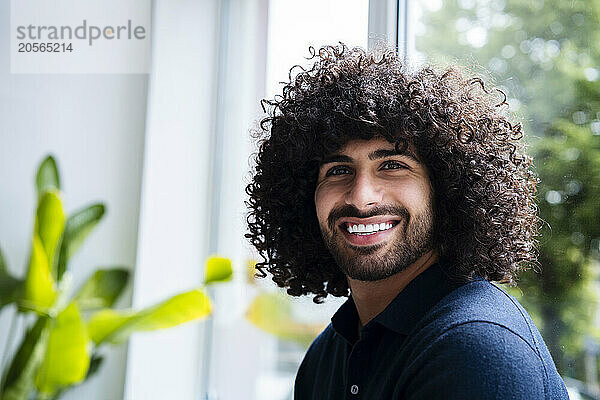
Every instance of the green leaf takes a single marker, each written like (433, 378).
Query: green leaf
(3, 268)
(108, 322)
(10, 287)
(102, 288)
(115, 326)
(39, 291)
(47, 177)
(272, 313)
(95, 363)
(78, 226)
(50, 223)
(67, 356)
(218, 269)
(19, 379)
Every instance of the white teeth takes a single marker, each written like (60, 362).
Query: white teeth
(368, 229)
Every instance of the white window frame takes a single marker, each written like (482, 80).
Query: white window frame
(187, 213)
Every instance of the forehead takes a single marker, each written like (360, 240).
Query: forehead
(365, 146)
(372, 148)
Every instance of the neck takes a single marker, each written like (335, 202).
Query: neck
(371, 298)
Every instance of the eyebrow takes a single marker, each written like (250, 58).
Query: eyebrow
(376, 155)
(384, 153)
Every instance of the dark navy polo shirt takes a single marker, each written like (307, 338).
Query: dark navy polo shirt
(435, 340)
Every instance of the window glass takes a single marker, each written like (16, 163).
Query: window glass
(545, 56)
(295, 25)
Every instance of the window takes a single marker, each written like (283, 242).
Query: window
(294, 26)
(541, 54)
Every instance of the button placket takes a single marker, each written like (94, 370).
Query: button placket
(356, 365)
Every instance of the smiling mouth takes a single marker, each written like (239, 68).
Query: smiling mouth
(368, 229)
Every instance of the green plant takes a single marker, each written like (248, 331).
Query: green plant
(272, 312)
(60, 348)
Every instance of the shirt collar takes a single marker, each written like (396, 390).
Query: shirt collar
(407, 308)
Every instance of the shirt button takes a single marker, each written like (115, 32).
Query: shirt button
(354, 389)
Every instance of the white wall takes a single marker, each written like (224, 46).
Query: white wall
(94, 125)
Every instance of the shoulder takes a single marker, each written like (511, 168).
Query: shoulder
(477, 360)
(479, 342)
(320, 349)
(327, 338)
(480, 305)
(317, 359)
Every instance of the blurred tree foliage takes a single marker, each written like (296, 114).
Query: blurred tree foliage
(545, 55)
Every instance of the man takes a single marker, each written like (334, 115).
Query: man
(409, 193)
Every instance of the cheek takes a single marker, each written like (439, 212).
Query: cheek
(325, 199)
(320, 205)
(414, 196)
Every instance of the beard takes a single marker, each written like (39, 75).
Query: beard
(413, 237)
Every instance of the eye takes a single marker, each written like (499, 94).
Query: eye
(338, 170)
(393, 165)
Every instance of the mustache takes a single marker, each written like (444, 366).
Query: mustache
(350, 211)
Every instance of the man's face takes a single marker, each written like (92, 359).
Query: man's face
(374, 208)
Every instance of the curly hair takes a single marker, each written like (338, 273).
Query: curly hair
(484, 204)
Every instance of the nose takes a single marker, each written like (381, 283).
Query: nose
(364, 192)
